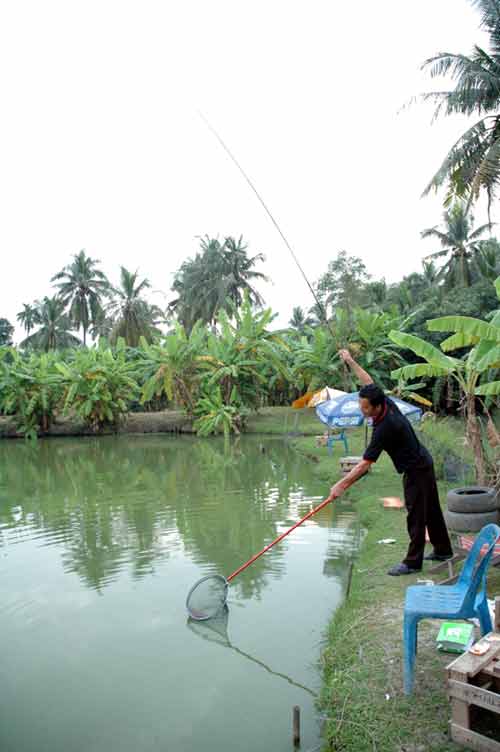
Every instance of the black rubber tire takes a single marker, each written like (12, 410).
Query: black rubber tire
(469, 523)
(472, 499)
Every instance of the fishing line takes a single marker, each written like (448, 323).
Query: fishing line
(268, 212)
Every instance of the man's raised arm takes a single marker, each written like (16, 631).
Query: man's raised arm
(363, 377)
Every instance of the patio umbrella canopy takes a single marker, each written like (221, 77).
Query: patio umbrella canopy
(345, 412)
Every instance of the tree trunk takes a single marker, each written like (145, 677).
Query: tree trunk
(474, 436)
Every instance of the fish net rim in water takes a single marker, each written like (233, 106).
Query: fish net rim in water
(212, 609)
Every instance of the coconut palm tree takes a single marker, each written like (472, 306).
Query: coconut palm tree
(473, 163)
(239, 274)
(300, 320)
(430, 274)
(28, 317)
(6, 332)
(133, 316)
(83, 288)
(102, 326)
(488, 259)
(55, 327)
(215, 279)
(460, 244)
(376, 293)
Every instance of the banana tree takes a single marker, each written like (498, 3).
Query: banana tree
(217, 414)
(99, 385)
(245, 357)
(472, 372)
(30, 390)
(406, 391)
(172, 367)
(368, 342)
(314, 361)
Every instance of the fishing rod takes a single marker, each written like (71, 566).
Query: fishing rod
(254, 189)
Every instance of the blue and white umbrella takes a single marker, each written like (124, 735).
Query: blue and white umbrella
(345, 412)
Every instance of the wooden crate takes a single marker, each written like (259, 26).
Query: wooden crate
(474, 682)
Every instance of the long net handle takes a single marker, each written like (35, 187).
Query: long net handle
(283, 535)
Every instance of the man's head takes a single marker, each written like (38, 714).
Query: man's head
(371, 400)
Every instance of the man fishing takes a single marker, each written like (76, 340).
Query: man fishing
(393, 433)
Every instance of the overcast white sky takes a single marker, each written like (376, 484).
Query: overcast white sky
(101, 146)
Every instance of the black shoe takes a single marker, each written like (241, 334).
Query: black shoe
(433, 556)
(402, 568)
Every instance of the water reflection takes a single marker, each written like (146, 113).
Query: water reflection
(114, 502)
(216, 630)
(152, 515)
(343, 543)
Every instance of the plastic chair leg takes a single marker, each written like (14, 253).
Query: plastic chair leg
(483, 613)
(410, 651)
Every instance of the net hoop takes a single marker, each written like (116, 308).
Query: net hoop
(202, 616)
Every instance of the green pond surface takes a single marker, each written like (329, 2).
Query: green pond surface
(100, 542)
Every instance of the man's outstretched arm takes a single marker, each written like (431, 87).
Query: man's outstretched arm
(355, 474)
(363, 377)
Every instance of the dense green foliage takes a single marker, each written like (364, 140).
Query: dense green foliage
(215, 377)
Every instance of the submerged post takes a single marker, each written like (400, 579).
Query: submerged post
(296, 726)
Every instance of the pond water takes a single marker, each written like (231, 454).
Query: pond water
(100, 541)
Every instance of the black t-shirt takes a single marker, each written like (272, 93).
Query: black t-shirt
(394, 434)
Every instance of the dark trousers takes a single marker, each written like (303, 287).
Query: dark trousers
(423, 511)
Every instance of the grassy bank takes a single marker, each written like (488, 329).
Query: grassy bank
(362, 700)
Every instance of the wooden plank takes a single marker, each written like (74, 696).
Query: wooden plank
(445, 564)
(487, 683)
(470, 664)
(449, 580)
(496, 626)
(472, 740)
(492, 669)
(483, 698)
(460, 709)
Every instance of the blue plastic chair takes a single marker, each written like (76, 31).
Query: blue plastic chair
(337, 437)
(466, 599)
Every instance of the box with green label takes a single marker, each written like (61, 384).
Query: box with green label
(455, 637)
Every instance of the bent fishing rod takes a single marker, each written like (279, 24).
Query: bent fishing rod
(271, 217)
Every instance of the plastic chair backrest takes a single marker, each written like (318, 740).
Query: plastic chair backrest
(473, 572)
